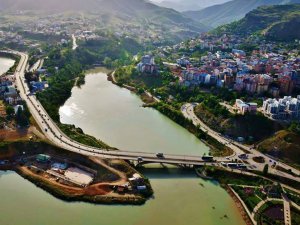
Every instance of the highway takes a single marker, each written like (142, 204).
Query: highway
(238, 148)
(58, 138)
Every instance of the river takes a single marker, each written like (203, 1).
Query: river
(5, 64)
(116, 116)
(180, 198)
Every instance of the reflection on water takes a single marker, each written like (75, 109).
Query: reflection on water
(5, 65)
(115, 115)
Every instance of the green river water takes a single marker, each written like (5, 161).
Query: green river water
(115, 115)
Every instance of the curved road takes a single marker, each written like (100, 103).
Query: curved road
(188, 112)
(58, 138)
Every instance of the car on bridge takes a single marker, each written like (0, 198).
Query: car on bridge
(160, 155)
(208, 158)
(140, 159)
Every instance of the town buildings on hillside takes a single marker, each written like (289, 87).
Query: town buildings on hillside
(287, 108)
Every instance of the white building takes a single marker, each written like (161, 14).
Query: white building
(282, 109)
(245, 107)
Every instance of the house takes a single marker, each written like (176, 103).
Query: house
(183, 61)
(42, 158)
(37, 86)
(243, 107)
(10, 92)
(59, 166)
(147, 65)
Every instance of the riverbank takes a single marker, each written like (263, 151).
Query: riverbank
(216, 149)
(12, 57)
(108, 174)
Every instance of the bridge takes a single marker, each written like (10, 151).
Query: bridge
(53, 133)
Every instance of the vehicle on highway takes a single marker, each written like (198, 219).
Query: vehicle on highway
(140, 159)
(208, 158)
(160, 155)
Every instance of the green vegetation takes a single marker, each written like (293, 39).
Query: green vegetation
(250, 199)
(266, 169)
(284, 145)
(22, 116)
(142, 19)
(17, 149)
(217, 149)
(227, 177)
(278, 22)
(295, 216)
(279, 179)
(78, 135)
(65, 68)
(293, 196)
(11, 56)
(253, 127)
(9, 111)
(61, 82)
(272, 217)
(130, 76)
(230, 11)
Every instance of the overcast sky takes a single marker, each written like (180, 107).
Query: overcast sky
(163, 0)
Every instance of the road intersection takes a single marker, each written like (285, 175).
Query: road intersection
(58, 138)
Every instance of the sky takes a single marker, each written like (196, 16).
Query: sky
(163, 0)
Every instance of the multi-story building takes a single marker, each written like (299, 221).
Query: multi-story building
(286, 108)
(243, 107)
(147, 65)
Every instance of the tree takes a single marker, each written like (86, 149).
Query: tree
(266, 169)
(10, 111)
(21, 118)
(107, 61)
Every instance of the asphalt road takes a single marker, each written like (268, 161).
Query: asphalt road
(58, 138)
(188, 112)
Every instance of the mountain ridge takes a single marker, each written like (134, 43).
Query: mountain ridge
(278, 22)
(140, 12)
(231, 11)
(185, 5)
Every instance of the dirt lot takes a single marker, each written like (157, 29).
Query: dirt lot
(19, 134)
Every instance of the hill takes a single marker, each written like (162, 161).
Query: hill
(231, 11)
(137, 12)
(284, 145)
(280, 22)
(185, 5)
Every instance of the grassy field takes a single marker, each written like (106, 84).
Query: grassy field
(264, 218)
(250, 200)
(295, 214)
(78, 135)
(226, 177)
(253, 127)
(284, 145)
